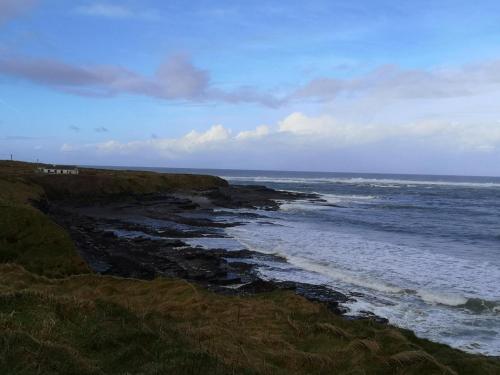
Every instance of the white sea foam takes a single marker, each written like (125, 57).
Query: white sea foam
(213, 243)
(374, 182)
(334, 198)
(448, 299)
(343, 275)
(301, 206)
(330, 199)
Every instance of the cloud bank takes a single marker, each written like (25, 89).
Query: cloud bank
(12, 8)
(175, 79)
(301, 132)
(391, 81)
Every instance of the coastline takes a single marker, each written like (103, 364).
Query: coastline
(146, 238)
(117, 235)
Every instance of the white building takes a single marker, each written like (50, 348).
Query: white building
(59, 169)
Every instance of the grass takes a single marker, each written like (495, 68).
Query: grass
(31, 239)
(41, 333)
(114, 325)
(56, 317)
(27, 236)
(93, 184)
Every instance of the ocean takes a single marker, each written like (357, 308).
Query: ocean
(421, 251)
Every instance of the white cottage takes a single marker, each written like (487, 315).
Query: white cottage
(59, 169)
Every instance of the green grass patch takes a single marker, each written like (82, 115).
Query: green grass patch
(31, 239)
(43, 334)
(93, 184)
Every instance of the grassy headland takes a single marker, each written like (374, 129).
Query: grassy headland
(56, 316)
(31, 239)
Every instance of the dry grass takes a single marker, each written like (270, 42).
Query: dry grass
(270, 334)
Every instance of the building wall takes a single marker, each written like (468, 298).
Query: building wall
(59, 171)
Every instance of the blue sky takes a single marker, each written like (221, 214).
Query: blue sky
(368, 86)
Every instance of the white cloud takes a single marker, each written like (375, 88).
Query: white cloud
(194, 140)
(68, 148)
(191, 142)
(326, 128)
(300, 124)
(259, 132)
(301, 132)
(114, 11)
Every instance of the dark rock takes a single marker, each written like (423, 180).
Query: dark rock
(108, 234)
(258, 286)
(368, 315)
(320, 293)
(252, 196)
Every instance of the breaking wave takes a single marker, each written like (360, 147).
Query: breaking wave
(374, 182)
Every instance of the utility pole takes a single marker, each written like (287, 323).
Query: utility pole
(10, 157)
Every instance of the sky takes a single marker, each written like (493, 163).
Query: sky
(323, 85)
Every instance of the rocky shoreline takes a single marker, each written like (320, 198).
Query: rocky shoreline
(145, 236)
